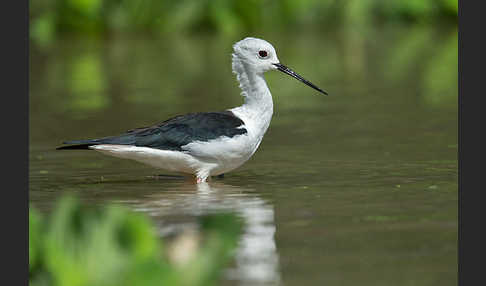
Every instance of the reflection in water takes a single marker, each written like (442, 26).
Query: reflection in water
(378, 160)
(256, 258)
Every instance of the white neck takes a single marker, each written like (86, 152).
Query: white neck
(257, 109)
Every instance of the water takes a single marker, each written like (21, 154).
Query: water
(359, 187)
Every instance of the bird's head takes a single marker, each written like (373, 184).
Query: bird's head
(260, 56)
(257, 54)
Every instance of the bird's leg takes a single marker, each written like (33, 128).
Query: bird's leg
(202, 176)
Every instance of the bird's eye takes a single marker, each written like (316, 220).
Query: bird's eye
(263, 54)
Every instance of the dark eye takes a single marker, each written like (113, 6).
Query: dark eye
(262, 54)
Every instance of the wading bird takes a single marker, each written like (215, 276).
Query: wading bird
(206, 144)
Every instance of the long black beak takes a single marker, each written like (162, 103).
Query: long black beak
(290, 72)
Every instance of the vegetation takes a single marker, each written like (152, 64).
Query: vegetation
(51, 17)
(78, 246)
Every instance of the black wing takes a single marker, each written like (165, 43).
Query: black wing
(173, 133)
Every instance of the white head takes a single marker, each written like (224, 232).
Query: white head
(256, 54)
(259, 56)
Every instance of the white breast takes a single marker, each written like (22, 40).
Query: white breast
(230, 153)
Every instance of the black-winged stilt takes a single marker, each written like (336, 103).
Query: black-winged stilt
(207, 143)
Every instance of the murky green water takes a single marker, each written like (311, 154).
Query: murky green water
(357, 188)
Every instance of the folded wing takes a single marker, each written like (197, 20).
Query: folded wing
(174, 133)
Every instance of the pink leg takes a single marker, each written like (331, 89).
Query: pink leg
(201, 176)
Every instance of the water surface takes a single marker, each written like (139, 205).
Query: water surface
(359, 187)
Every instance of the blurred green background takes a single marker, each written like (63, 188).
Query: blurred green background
(364, 191)
(76, 42)
(49, 18)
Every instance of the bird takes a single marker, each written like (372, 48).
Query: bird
(205, 144)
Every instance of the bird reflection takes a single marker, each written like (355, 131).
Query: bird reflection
(256, 261)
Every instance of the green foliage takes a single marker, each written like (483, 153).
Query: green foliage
(113, 246)
(35, 226)
(227, 17)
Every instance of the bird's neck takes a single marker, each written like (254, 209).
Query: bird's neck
(258, 99)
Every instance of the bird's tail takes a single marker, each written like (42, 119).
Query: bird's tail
(78, 144)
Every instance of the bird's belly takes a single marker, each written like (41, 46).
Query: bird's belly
(213, 157)
(226, 153)
(168, 160)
